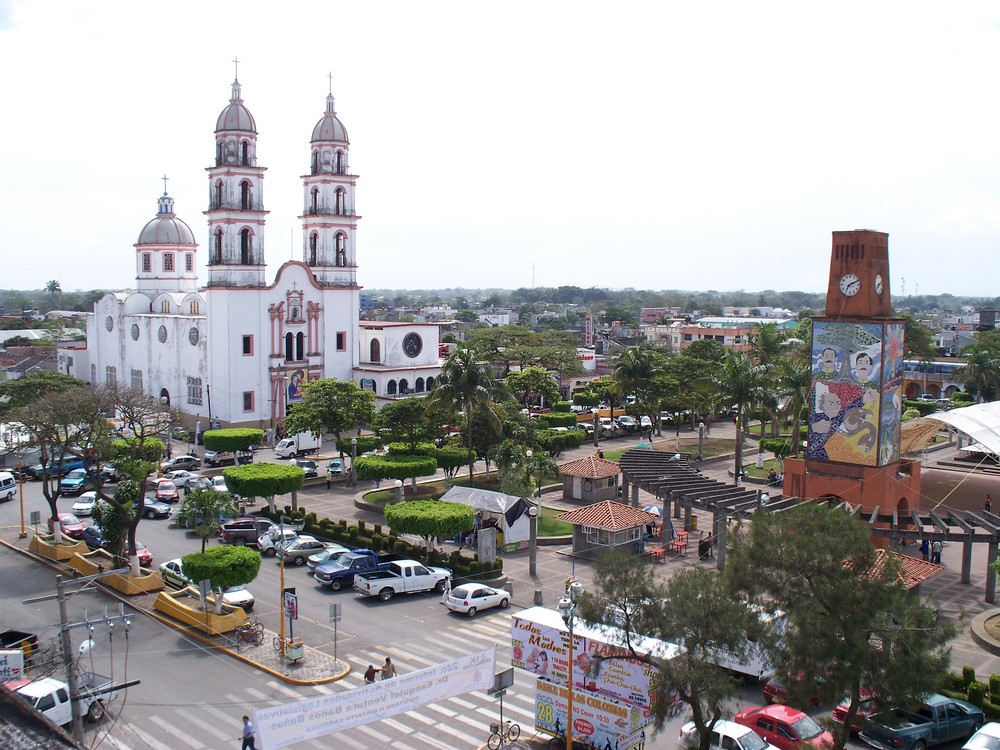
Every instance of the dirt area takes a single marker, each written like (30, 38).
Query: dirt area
(992, 627)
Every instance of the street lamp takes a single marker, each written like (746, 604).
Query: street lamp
(533, 538)
(354, 457)
(399, 490)
(567, 608)
(597, 413)
(701, 439)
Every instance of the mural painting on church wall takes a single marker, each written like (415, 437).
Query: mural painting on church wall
(295, 382)
(845, 398)
(892, 394)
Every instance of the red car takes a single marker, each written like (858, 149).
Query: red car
(166, 491)
(70, 524)
(868, 707)
(786, 728)
(144, 555)
(776, 691)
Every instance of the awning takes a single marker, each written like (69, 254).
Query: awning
(981, 422)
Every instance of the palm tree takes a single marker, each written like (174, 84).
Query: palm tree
(53, 287)
(794, 381)
(765, 349)
(467, 386)
(743, 384)
(981, 372)
(634, 371)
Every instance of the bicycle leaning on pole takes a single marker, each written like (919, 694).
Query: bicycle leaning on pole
(506, 732)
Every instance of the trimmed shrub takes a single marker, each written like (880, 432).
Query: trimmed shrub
(968, 676)
(977, 693)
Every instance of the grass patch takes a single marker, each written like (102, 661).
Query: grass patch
(761, 473)
(549, 526)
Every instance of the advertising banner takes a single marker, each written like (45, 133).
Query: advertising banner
(11, 665)
(287, 724)
(540, 644)
(597, 721)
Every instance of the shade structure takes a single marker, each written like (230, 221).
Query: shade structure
(656, 510)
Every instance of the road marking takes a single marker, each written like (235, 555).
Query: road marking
(441, 710)
(367, 729)
(213, 728)
(427, 739)
(401, 728)
(282, 688)
(175, 732)
(147, 739)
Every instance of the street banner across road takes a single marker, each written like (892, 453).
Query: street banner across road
(285, 725)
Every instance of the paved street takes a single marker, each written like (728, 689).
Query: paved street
(192, 697)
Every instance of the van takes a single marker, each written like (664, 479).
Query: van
(8, 485)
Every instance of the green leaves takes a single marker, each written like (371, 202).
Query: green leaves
(263, 479)
(223, 566)
(233, 439)
(429, 518)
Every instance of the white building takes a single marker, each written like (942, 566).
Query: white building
(238, 349)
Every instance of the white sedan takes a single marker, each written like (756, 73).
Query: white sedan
(469, 598)
(84, 505)
(182, 478)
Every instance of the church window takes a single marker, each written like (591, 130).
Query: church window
(195, 307)
(193, 390)
(109, 323)
(313, 241)
(110, 375)
(147, 262)
(188, 261)
(135, 332)
(165, 307)
(217, 247)
(247, 346)
(245, 156)
(375, 351)
(168, 261)
(418, 386)
(136, 380)
(430, 384)
(340, 162)
(314, 201)
(218, 194)
(246, 247)
(341, 195)
(289, 347)
(218, 153)
(193, 336)
(247, 400)
(161, 334)
(341, 341)
(390, 388)
(246, 196)
(404, 386)
(300, 348)
(341, 249)
(315, 162)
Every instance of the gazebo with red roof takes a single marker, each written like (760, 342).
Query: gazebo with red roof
(590, 479)
(607, 525)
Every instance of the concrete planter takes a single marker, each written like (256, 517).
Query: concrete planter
(183, 607)
(91, 563)
(59, 552)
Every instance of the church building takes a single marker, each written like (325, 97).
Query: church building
(238, 350)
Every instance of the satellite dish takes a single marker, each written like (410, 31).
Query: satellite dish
(86, 646)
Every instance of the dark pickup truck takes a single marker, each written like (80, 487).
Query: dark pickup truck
(340, 571)
(244, 531)
(939, 719)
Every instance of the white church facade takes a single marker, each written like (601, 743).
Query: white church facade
(237, 350)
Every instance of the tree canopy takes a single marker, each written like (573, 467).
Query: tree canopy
(224, 566)
(201, 509)
(429, 518)
(331, 406)
(264, 480)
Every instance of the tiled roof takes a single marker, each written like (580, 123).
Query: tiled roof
(590, 467)
(913, 571)
(610, 515)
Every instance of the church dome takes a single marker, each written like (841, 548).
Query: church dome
(236, 116)
(329, 128)
(166, 228)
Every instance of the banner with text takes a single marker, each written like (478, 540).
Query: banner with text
(599, 721)
(285, 725)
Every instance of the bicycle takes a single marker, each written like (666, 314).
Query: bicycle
(508, 732)
(251, 632)
(281, 644)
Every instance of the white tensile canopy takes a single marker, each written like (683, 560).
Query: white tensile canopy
(981, 422)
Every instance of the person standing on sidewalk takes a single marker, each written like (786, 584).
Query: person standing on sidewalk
(247, 736)
(988, 503)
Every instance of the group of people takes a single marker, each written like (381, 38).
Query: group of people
(774, 479)
(387, 672)
(931, 550)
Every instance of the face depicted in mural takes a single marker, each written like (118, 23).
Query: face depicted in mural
(295, 385)
(863, 367)
(828, 361)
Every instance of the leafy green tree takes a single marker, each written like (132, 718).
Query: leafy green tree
(53, 287)
(467, 316)
(981, 371)
(224, 566)
(536, 467)
(468, 387)
(918, 342)
(636, 369)
(16, 394)
(331, 405)
(235, 440)
(816, 564)
(429, 519)
(533, 379)
(114, 525)
(506, 455)
(766, 346)
(794, 382)
(405, 420)
(693, 607)
(264, 480)
(743, 385)
(201, 509)
(400, 467)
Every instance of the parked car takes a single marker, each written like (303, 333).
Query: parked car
(155, 509)
(219, 458)
(110, 473)
(180, 462)
(71, 525)
(144, 555)
(324, 555)
(628, 423)
(270, 542)
(645, 423)
(469, 598)
(245, 530)
(868, 706)
(939, 719)
(308, 466)
(92, 537)
(297, 551)
(74, 483)
(335, 467)
(726, 735)
(585, 427)
(784, 727)
(607, 426)
(218, 484)
(182, 478)
(166, 491)
(987, 738)
(84, 505)
(776, 691)
(172, 573)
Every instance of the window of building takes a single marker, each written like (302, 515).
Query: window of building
(375, 351)
(598, 536)
(217, 247)
(135, 380)
(147, 262)
(245, 154)
(340, 162)
(165, 306)
(247, 346)
(135, 331)
(430, 384)
(341, 341)
(315, 162)
(193, 336)
(418, 385)
(161, 334)
(341, 249)
(341, 201)
(218, 194)
(247, 400)
(195, 307)
(246, 197)
(246, 247)
(314, 201)
(313, 243)
(168, 261)
(289, 347)
(193, 390)
(188, 261)
(300, 346)
(390, 388)
(110, 375)
(404, 386)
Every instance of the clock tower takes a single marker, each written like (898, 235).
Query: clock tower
(855, 397)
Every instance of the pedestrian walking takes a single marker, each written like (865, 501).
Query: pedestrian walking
(988, 503)
(388, 669)
(447, 591)
(378, 482)
(925, 550)
(247, 736)
(370, 674)
(936, 552)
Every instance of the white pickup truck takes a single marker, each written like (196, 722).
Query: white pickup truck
(50, 696)
(401, 577)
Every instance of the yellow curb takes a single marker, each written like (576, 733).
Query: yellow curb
(190, 633)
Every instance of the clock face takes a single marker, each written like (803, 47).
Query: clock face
(412, 345)
(849, 284)
(878, 284)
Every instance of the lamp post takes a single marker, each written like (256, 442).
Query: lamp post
(354, 457)
(20, 488)
(399, 490)
(567, 608)
(533, 538)
(597, 413)
(701, 439)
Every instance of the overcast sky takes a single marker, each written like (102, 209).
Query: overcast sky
(655, 145)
